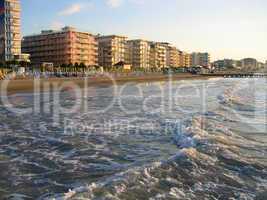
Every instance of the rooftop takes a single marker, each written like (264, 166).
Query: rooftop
(63, 30)
(111, 36)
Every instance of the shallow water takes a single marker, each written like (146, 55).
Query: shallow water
(203, 139)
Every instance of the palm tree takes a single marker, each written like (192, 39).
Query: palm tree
(63, 67)
(82, 66)
(42, 68)
(24, 64)
(15, 62)
(70, 68)
(76, 67)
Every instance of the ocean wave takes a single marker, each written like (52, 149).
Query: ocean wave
(215, 155)
(209, 165)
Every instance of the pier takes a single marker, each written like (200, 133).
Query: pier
(237, 75)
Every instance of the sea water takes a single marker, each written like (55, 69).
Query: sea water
(194, 139)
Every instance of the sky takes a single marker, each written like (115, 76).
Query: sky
(224, 28)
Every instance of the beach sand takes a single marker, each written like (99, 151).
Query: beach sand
(27, 85)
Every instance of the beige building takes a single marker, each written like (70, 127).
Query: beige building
(112, 50)
(158, 55)
(188, 60)
(184, 59)
(249, 63)
(138, 53)
(173, 58)
(181, 59)
(62, 47)
(176, 58)
(10, 33)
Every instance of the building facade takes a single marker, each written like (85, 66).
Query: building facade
(138, 53)
(158, 55)
(225, 64)
(112, 50)
(184, 59)
(173, 57)
(245, 64)
(181, 58)
(188, 59)
(200, 59)
(260, 65)
(10, 34)
(62, 47)
(249, 63)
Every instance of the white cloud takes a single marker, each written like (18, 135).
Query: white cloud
(73, 9)
(114, 3)
(118, 3)
(56, 25)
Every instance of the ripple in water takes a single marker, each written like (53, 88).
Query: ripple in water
(214, 153)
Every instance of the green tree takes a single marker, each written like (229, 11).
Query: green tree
(8, 64)
(15, 62)
(76, 67)
(2, 65)
(70, 67)
(82, 66)
(63, 67)
(24, 64)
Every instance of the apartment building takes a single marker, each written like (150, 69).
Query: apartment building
(158, 55)
(62, 47)
(249, 63)
(260, 65)
(225, 64)
(112, 50)
(188, 60)
(10, 33)
(172, 56)
(138, 53)
(181, 58)
(184, 59)
(200, 59)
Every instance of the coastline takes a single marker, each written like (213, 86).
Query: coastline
(27, 85)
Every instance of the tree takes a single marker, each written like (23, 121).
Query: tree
(15, 62)
(70, 67)
(82, 66)
(76, 67)
(1, 65)
(23, 64)
(63, 67)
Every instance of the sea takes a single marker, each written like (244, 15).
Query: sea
(187, 139)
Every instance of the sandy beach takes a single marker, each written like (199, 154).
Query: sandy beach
(27, 85)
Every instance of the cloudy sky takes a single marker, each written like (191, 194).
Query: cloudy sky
(225, 28)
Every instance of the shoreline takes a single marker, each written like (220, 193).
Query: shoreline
(27, 85)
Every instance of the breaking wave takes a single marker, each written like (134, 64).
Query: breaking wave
(216, 160)
(217, 154)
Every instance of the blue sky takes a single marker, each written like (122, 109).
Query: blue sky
(225, 28)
